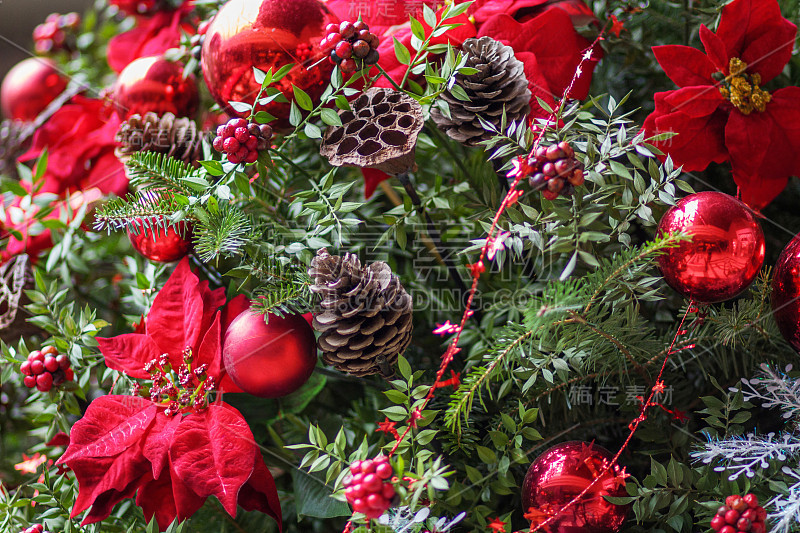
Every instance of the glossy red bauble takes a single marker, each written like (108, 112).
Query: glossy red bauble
(29, 87)
(559, 475)
(269, 360)
(726, 251)
(786, 293)
(162, 245)
(267, 35)
(157, 85)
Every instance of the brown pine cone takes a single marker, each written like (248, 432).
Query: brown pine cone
(555, 169)
(175, 137)
(499, 85)
(14, 136)
(366, 318)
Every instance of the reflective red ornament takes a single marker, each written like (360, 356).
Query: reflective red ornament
(559, 475)
(162, 245)
(29, 87)
(272, 359)
(786, 293)
(267, 35)
(726, 251)
(157, 85)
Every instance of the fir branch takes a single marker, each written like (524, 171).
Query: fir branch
(152, 170)
(285, 297)
(141, 210)
(222, 234)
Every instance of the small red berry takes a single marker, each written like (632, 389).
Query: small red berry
(384, 470)
(723, 509)
(349, 66)
(360, 25)
(376, 501)
(29, 381)
(717, 523)
(266, 131)
(44, 382)
(762, 514)
(252, 142)
(743, 524)
(333, 39)
(750, 514)
(388, 491)
(63, 361)
(347, 30)
(49, 350)
(227, 131)
(241, 134)
(355, 468)
(332, 28)
(361, 49)
(37, 367)
(739, 504)
(357, 479)
(372, 482)
(367, 467)
(50, 363)
(359, 491)
(360, 505)
(25, 368)
(241, 153)
(732, 516)
(344, 50)
(728, 529)
(231, 145)
(373, 40)
(758, 527)
(252, 156)
(36, 355)
(253, 129)
(233, 158)
(237, 123)
(70, 375)
(751, 500)
(219, 144)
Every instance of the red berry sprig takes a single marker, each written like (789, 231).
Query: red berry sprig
(740, 514)
(351, 45)
(46, 368)
(242, 140)
(57, 32)
(368, 488)
(555, 169)
(35, 528)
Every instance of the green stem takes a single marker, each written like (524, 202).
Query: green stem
(386, 75)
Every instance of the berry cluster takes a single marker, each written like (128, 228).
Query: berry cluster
(57, 32)
(181, 390)
(35, 528)
(45, 369)
(368, 487)
(242, 140)
(555, 169)
(351, 45)
(740, 515)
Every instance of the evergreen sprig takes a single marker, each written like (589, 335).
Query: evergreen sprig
(152, 170)
(139, 211)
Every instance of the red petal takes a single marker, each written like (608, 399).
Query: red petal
(158, 439)
(175, 320)
(769, 179)
(699, 141)
(187, 502)
(107, 174)
(156, 499)
(129, 353)
(372, 178)
(537, 84)
(111, 425)
(104, 503)
(212, 300)
(260, 493)
(698, 101)
(746, 138)
(684, 65)
(756, 32)
(210, 351)
(715, 49)
(213, 453)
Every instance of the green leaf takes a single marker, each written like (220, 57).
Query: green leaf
(314, 499)
(259, 75)
(302, 98)
(213, 167)
(404, 368)
(295, 117)
(241, 107)
(312, 130)
(417, 29)
(428, 15)
(402, 53)
(330, 117)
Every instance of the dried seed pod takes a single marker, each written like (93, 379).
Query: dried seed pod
(380, 132)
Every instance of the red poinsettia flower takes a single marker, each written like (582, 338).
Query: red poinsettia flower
(79, 139)
(721, 113)
(171, 448)
(152, 36)
(522, 10)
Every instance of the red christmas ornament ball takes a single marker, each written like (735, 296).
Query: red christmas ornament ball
(786, 293)
(157, 85)
(726, 251)
(272, 359)
(267, 35)
(162, 245)
(29, 87)
(559, 475)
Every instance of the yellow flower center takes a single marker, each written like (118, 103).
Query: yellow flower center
(742, 90)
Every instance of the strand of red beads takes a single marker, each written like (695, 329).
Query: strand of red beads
(46, 368)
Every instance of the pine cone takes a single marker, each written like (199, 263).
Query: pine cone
(500, 83)
(366, 318)
(175, 137)
(14, 137)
